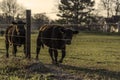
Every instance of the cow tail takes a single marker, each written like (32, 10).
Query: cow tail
(39, 41)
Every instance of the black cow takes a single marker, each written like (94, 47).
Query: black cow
(15, 36)
(55, 37)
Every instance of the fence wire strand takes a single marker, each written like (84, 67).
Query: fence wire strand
(78, 39)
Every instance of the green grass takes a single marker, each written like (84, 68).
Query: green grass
(91, 56)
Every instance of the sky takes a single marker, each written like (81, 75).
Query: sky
(96, 3)
(42, 6)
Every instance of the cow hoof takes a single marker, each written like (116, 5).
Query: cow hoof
(7, 56)
(54, 62)
(25, 56)
(36, 59)
(60, 61)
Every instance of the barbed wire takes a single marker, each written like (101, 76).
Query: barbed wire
(52, 38)
(63, 24)
(72, 25)
(14, 36)
(78, 39)
(36, 46)
(39, 37)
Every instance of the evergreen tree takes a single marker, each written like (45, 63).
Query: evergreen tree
(75, 11)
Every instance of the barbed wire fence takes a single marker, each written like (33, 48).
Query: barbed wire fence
(91, 27)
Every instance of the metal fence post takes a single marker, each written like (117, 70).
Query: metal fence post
(28, 34)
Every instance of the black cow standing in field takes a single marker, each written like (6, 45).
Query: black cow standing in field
(55, 37)
(15, 36)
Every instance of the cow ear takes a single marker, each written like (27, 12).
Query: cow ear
(75, 32)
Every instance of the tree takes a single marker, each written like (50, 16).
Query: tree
(75, 11)
(107, 5)
(112, 7)
(117, 7)
(40, 19)
(11, 9)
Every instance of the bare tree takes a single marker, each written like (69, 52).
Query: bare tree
(11, 8)
(112, 7)
(107, 5)
(40, 19)
(117, 7)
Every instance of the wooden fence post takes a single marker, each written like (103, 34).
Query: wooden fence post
(28, 34)
(118, 25)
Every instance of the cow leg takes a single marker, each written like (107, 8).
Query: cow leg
(37, 52)
(7, 48)
(24, 49)
(39, 45)
(14, 50)
(56, 56)
(63, 55)
(51, 55)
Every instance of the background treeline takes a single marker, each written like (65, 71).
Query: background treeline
(69, 12)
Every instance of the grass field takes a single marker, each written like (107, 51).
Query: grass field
(91, 56)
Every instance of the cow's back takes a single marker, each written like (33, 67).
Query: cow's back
(52, 36)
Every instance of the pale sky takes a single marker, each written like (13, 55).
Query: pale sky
(41, 6)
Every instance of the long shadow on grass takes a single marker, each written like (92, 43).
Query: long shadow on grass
(21, 67)
(101, 72)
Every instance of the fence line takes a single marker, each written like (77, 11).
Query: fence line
(68, 24)
(54, 38)
(78, 39)
(79, 25)
(71, 25)
(14, 35)
(91, 27)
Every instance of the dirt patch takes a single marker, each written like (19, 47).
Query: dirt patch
(15, 66)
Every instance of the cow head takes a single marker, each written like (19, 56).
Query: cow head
(68, 34)
(19, 32)
(20, 29)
